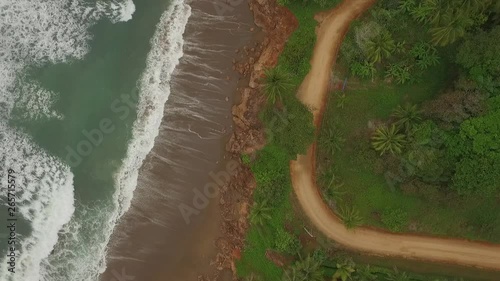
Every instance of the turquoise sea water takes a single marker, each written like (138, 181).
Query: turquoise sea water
(83, 84)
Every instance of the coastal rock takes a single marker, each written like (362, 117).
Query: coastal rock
(248, 136)
(266, 42)
(244, 207)
(278, 23)
(253, 84)
(222, 243)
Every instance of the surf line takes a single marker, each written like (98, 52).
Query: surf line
(11, 221)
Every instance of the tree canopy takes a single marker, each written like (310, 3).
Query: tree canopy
(477, 151)
(480, 56)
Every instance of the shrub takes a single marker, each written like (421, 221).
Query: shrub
(388, 139)
(399, 72)
(276, 84)
(395, 219)
(285, 242)
(291, 128)
(350, 217)
(425, 54)
(363, 70)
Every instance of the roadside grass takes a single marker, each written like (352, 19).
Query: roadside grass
(370, 193)
(298, 51)
(260, 239)
(295, 61)
(270, 166)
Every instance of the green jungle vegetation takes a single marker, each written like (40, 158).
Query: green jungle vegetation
(413, 142)
(421, 97)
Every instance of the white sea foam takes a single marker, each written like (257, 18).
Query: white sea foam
(55, 31)
(155, 88)
(166, 51)
(167, 44)
(35, 33)
(100, 220)
(35, 103)
(80, 255)
(44, 198)
(116, 10)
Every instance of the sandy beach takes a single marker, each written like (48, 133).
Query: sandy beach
(153, 240)
(216, 88)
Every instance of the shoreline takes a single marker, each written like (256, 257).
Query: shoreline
(152, 240)
(277, 24)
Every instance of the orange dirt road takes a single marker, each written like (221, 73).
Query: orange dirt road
(313, 92)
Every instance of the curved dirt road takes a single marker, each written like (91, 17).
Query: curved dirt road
(313, 92)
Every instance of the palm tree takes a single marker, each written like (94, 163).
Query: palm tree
(399, 72)
(380, 46)
(407, 5)
(364, 70)
(325, 175)
(450, 28)
(365, 274)
(420, 49)
(425, 54)
(350, 217)
(341, 99)
(307, 269)
(276, 83)
(330, 140)
(331, 186)
(438, 9)
(388, 139)
(400, 47)
(422, 12)
(344, 270)
(407, 116)
(475, 6)
(333, 191)
(260, 213)
(429, 60)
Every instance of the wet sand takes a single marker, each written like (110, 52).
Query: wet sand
(153, 241)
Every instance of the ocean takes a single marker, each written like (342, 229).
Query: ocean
(83, 85)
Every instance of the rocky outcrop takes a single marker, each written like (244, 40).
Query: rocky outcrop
(278, 23)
